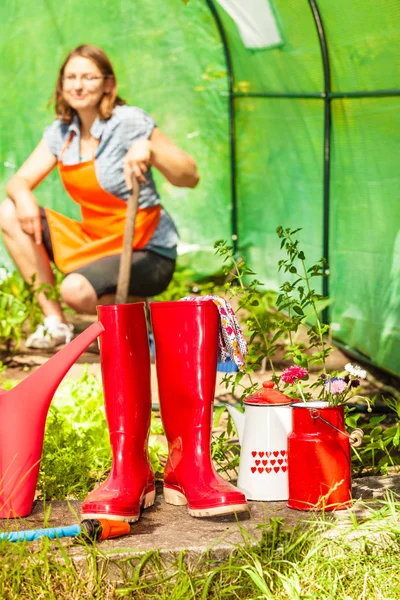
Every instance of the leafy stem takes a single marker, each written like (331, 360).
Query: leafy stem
(239, 270)
(317, 320)
(299, 301)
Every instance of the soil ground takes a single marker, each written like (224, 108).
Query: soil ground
(18, 365)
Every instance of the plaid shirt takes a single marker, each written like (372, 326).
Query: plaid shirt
(116, 135)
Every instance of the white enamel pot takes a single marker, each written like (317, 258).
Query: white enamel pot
(263, 431)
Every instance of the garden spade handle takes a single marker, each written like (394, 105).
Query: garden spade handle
(125, 264)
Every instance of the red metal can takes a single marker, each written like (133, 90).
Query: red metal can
(318, 458)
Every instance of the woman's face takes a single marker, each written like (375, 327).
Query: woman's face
(83, 84)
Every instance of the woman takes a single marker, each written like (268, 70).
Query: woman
(98, 142)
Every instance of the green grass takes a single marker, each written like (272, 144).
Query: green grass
(359, 561)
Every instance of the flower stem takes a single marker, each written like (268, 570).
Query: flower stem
(301, 392)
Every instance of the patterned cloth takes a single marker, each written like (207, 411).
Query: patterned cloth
(231, 341)
(116, 135)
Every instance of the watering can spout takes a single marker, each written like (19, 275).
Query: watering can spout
(23, 412)
(239, 420)
(42, 384)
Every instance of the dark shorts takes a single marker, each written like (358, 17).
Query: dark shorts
(150, 272)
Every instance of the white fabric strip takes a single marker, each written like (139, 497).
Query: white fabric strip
(255, 21)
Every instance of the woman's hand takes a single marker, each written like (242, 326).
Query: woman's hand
(19, 189)
(28, 214)
(137, 162)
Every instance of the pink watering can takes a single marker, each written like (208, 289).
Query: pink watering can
(23, 412)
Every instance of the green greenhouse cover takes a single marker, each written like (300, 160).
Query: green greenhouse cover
(298, 131)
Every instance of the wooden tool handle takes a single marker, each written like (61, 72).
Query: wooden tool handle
(126, 255)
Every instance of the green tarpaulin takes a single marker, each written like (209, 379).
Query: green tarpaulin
(256, 120)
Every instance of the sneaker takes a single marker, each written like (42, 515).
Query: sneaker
(49, 335)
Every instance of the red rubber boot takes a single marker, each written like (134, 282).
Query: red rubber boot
(186, 343)
(125, 366)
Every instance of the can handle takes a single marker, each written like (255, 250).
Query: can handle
(355, 437)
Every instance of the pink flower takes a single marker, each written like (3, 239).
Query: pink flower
(336, 385)
(292, 374)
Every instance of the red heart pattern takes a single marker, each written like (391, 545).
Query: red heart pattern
(275, 464)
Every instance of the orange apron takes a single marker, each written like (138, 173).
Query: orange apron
(101, 231)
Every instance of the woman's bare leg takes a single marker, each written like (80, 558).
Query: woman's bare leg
(108, 299)
(29, 258)
(79, 294)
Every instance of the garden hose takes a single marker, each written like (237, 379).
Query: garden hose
(89, 529)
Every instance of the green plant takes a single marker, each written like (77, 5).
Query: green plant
(256, 315)
(19, 306)
(76, 453)
(298, 305)
(379, 452)
(264, 325)
(224, 448)
(76, 450)
(250, 297)
(297, 299)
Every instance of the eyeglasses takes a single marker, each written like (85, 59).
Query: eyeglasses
(87, 79)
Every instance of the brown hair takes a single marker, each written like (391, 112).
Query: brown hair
(108, 101)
